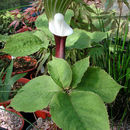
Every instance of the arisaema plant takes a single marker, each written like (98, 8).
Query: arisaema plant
(75, 94)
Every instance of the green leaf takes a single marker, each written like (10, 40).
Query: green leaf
(3, 38)
(42, 24)
(35, 95)
(127, 79)
(78, 70)
(22, 44)
(97, 36)
(96, 52)
(98, 81)
(6, 86)
(79, 111)
(41, 62)
(41, 35)
(79, 40)
(15, 78)
(128, 73)
(69, 14)
(60, 72)
(8, 72)
(90, 9)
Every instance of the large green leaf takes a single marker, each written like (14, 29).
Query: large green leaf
(3, 38)
(22, 44)
(97, 36)
(79, 111)
(60, 72)
(78, 70)
(98, 81)
(43, 38)
(79, 40)
(35, 95)
(42, 24)
(68, 15)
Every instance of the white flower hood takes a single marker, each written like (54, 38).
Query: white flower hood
(59, 27)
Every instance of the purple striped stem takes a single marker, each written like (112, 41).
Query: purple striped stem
(60, 46)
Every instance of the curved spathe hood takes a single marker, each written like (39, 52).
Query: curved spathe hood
(59, 27)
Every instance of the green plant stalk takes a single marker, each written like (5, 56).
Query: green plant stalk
(114, 58)
(109, 60)
(115, 50)
(124, 41)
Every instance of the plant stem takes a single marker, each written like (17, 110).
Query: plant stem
(60, 46)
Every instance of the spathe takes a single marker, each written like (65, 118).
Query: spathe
(59, 27)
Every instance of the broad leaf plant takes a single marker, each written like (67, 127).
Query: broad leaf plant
(75, 94)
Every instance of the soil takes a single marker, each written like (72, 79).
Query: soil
(17, 85)
(23, 64)
(20, 63)
(46, 124)
(120, 126)
(15, 88)
(4, 63)
(9, 120)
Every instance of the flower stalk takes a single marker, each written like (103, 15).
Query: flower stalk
(60, 46)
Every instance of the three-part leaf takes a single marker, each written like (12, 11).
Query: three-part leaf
(79, 111)
(81, 108)
(98, 81)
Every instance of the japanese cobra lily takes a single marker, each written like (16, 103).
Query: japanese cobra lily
(55, 11)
